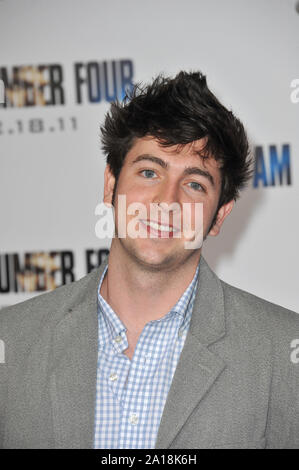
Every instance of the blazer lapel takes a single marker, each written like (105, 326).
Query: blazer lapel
(73, 375)
(198, 367)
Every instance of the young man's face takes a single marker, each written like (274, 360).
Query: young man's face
(153, 174)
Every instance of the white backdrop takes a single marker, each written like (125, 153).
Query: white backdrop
(51, 176)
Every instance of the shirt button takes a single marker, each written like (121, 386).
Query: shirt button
(133, 419)
(118, 339)
(181, 332)
(113, 377)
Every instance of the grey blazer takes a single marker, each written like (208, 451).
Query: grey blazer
(235, 385)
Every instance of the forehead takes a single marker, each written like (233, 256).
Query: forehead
(177, 156)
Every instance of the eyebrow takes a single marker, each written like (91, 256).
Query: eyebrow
(189, 170)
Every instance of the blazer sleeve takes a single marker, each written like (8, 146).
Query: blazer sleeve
(3, 379)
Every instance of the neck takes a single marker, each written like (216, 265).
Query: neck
(138, 293)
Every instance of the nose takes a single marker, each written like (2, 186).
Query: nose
(166, 202)
(167, 193)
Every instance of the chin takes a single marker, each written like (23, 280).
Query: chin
(156, 263)
(151, 258)
(152, 261)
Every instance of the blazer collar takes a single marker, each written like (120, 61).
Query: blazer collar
(208, 318)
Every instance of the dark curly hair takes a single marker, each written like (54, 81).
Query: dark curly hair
(178, 111)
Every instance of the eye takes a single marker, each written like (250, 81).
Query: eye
(196, 186)
(149, 174)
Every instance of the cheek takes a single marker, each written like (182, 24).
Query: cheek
(209, 211)
(130, 188)
(136, 194)
(130, 205)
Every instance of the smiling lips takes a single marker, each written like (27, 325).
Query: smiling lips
(159, 230)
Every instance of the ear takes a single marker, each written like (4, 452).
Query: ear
(222, 214)
(109, 182)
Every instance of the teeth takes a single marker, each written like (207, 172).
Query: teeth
(162, 228)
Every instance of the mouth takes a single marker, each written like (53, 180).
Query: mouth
(159, 230)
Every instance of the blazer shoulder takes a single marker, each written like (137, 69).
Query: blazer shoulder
(50, 305)
(271, 319)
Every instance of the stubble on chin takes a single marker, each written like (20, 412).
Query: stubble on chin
(167, 263)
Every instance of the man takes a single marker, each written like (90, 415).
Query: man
(152, 349)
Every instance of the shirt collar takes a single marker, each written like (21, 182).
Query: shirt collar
(112, 322)
(182, 304)
(116, 328)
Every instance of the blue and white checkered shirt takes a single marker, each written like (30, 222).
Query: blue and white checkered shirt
(131, 394)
